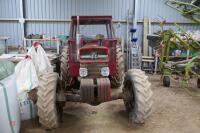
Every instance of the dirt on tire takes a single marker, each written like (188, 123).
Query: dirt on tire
(46, 101)
(65, 76)
(137, 95)
(117, 80)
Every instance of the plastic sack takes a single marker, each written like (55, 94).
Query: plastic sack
(6, 68)
(40, 59)
(27, 78)
(32, 53)
(43, 61)
(28, 109)
(9, 107)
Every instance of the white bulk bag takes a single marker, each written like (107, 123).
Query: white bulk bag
(43, 61)
(32, 53)
(9, 107)
(27, 107)
(27, 78)
(40, 59)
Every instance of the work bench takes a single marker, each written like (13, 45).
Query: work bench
(58, 42)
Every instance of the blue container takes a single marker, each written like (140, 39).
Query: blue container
(133, 30)
(134, 39)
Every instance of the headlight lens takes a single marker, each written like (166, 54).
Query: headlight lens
(105, 71)
(83, 72)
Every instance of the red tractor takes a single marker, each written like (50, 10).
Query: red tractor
(91, 64)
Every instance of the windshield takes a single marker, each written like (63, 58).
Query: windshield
(93, 31)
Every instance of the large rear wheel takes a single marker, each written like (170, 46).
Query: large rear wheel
(117, 80)
(137, 95)
(46, 101)
(65, 76)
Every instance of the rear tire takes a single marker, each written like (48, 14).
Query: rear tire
(65, 75)
(166, 81)
(117, 80)
(137, 95)
(46, 101)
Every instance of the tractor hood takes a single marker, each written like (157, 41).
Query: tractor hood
(93, 53)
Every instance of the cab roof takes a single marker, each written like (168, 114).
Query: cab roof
(92, 19)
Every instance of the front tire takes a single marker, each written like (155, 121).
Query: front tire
(137, 95)
(46, 101)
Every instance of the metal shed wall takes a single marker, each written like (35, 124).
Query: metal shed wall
(10, 9)
(157, 9)
(63, 9)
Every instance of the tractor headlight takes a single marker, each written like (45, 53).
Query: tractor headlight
(105, 71)
(83, 72)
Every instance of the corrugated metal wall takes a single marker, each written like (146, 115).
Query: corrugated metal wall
(157, 9)
(63, 9)
(10, 9)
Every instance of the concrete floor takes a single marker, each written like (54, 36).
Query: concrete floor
(174, 112)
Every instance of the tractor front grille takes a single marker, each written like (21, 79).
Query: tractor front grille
(93, 54)
(94, 69)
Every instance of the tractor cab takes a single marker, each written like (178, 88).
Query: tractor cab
(92, 42)
(91, 29)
